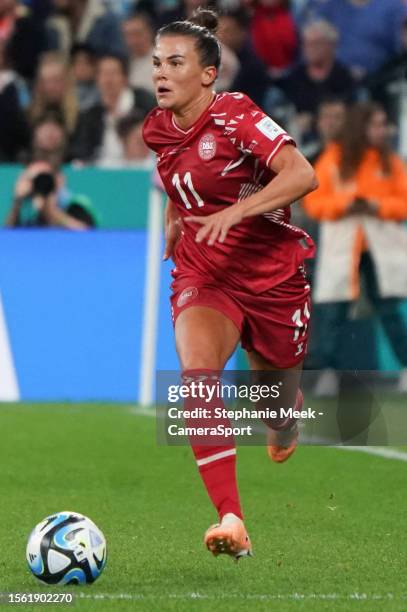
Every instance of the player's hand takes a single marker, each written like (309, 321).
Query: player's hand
(215, 227)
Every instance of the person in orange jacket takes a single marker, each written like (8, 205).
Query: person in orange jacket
(361, 203)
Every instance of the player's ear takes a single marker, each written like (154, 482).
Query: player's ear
(209, 74)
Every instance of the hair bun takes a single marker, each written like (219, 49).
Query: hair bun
(206, 19)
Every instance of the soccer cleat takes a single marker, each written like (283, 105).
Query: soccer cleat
(281, 444)
(228, 538)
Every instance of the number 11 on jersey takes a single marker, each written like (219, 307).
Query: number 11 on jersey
(187, 180)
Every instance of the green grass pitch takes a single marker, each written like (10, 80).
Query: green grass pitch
(329, 527)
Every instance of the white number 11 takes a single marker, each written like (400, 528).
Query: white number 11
(188, 183)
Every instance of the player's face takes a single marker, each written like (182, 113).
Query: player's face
(178, 76)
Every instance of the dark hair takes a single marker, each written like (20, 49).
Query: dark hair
(239, 15)
(202, 27)
(354, 142)
(143, 15)
(46, 118)
(120, 59)
(129, 122)
(85, 48)
(330, 100)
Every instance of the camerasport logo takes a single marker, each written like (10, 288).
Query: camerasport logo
(190, 293)
(207, 147)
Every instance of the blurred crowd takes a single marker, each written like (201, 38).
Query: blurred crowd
(86, 64)
(75, 86)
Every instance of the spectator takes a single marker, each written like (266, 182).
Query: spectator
(23, 36)
(361, 202)
(318, 76)
(14, 129)
(83, 65)
(228, 70)
(184, 10)
(251, 78)
(274, 35)
(40, 194)
(122, 8)
(40, 9)
(135, 152)
(85, 21)
(96, 137)
(329, 125)
(139, 37)
(370, 31)
(54, 92)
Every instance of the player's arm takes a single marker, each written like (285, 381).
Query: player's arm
(172, 229)
(294, 178)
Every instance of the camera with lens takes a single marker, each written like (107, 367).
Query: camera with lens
(43, 184)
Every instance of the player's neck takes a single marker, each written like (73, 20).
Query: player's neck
(187, 116)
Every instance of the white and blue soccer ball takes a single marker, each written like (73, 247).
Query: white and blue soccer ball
(66, 548)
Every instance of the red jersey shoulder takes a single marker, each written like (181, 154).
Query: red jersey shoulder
(243, 115)
(231, 101)
(154, 127)
(248, 128)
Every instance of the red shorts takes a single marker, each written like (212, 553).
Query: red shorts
(274, 323)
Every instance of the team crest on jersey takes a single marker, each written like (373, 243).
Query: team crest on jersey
(188, 294)
(207, 147)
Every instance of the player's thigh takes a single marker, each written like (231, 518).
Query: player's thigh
(275, 334)
(205, 338)
(258, 362)
(264, 372)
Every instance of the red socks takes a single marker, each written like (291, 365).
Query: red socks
(216, 461)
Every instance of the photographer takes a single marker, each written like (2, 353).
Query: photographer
(40, 195)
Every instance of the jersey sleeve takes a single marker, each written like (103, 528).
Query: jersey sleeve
(252, 131)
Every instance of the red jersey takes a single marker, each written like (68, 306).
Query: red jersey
(220, 160)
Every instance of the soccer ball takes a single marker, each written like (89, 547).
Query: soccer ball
(66, 548)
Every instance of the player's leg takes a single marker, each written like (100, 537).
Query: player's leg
(282, 433)
(205, 339)
(275, 336)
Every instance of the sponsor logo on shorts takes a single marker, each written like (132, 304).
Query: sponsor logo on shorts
(207, 147)
(188, 294)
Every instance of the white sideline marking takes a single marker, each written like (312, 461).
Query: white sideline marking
(254, 596)
(151, 299)
(378, 451)
(9, 391)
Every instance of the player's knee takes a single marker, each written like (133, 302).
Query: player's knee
(202, 357)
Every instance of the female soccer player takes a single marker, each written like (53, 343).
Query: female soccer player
(230, 173)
